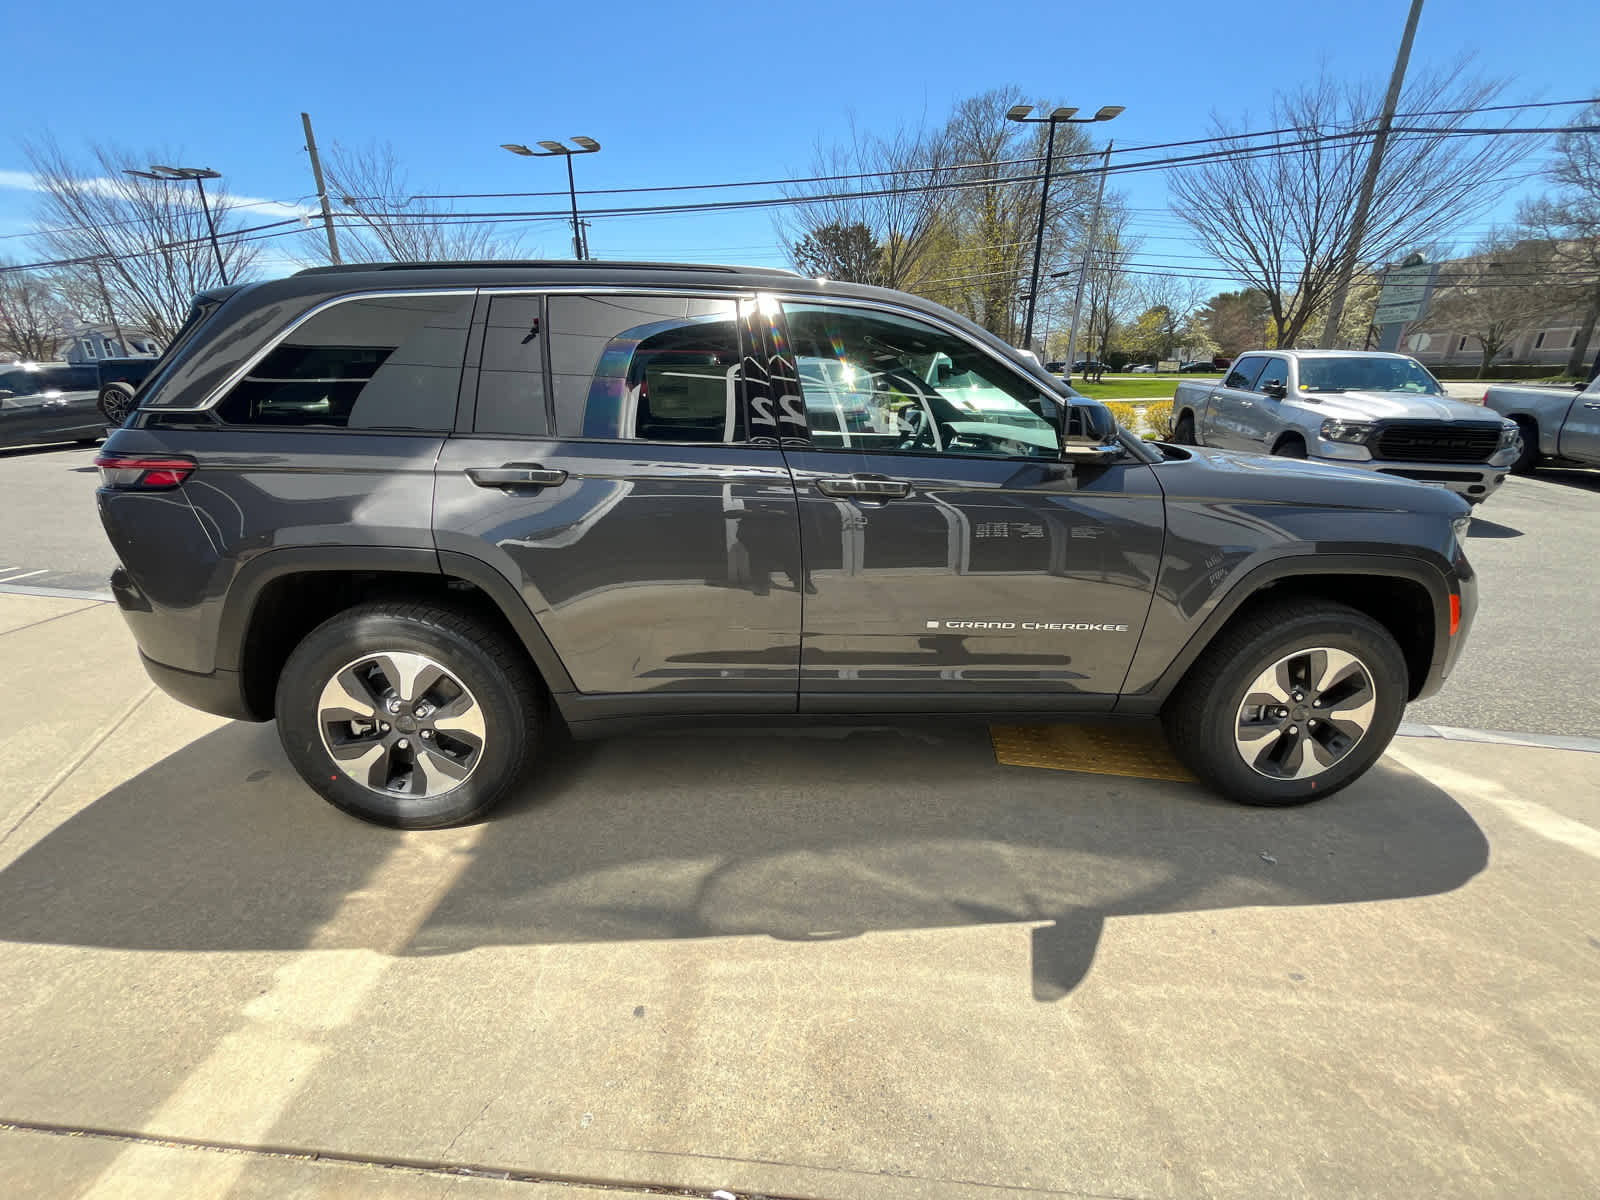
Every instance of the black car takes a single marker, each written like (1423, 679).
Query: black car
(48, 402)
(422, 514)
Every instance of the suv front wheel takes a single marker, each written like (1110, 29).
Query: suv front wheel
(408, 714)
(1289, 704)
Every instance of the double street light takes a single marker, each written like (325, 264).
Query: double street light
(199, 174)
(582, 145)
(1060, 116)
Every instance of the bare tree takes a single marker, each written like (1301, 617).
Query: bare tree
(149, 237)
(1278, 210)
(33, 314)
(1570, 221)
(1108, 289)
(387, 221)
(891, 189)
(1494, 296)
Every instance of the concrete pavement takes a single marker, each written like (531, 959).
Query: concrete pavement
(828, 963)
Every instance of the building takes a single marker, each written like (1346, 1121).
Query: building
(90, 343)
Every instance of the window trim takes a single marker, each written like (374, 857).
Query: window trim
(215, 396)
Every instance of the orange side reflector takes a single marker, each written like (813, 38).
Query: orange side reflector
(1455, 615)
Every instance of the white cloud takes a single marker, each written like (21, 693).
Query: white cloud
(257, 206)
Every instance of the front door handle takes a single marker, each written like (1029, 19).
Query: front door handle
(1591, 403)
(517, 475)
(865, 487)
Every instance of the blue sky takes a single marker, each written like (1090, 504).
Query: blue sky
(687, 93)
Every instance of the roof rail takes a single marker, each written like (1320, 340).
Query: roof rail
(564, 263)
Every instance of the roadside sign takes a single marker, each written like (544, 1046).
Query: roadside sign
(1405, 294)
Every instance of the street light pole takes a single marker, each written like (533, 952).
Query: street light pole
(585, 145)
(1060, 116)
(199, 175)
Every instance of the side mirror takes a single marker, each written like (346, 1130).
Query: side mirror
(1089, 433)
(1577, 387)
(6, 393)
(1275, 390)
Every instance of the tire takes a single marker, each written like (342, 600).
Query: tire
(115, 403)
(1183, 432)
(1290, 448)
(1528, 461)
(1212, 728)
(338, 680)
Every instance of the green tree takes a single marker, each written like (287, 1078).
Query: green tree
(848, 253)
(1235, 321)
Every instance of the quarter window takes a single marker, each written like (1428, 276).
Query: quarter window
(390, 362)
(883, 383)
(662, 368)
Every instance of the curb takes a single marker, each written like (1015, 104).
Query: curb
(1536, 740)
(22, 589)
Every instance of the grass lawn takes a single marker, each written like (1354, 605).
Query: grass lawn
(1136, 387)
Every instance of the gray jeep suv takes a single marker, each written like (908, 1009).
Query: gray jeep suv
(419, 514)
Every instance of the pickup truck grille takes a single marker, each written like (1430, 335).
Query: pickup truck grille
(1436, 441)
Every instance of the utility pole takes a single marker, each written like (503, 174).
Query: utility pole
(1369, 181)
(1083, 271)
(322, 190)
(111, 313)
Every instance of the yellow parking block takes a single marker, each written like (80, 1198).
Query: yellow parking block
(1136, 750)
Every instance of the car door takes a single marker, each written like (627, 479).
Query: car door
(605, 467)
(952, 558)
(1229, 411)
(1580, 434)
(1260, 421)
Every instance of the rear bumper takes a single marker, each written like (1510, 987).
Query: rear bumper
(218, 692)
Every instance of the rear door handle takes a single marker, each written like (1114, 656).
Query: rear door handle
(866, 487)
(517, 475)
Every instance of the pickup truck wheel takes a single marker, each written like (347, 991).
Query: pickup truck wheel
(115, 403)
(1528, 461)
(1290, 704)
(1183, 432)
(408, 714)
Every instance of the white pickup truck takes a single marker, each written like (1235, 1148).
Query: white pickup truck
(1558, 427)
(1380, 412)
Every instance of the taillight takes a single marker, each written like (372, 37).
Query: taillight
(135, 472)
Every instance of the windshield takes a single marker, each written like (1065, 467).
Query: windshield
(1376, 374)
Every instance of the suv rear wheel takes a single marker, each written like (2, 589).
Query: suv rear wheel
(1290, 704)
(408, 714)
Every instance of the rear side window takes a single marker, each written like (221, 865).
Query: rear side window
(662, 368)
(389, 362)
(1243, 375)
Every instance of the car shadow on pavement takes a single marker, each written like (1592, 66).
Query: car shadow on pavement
(1488, 529)
(799, 835)
(1584, 480)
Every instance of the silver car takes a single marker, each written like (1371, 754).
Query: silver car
(1380, 412)
(49, 402)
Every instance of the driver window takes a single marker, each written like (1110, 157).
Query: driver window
(1243, 375)
(1277, 372)
(883, 383)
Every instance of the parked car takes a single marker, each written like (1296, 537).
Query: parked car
(1142, 369)
(1086, 366)
(119, 379)
(1557, 427)
(48, 402)
(1197, 366)
(420, 515)
(1056, 368)
(1381, 412)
